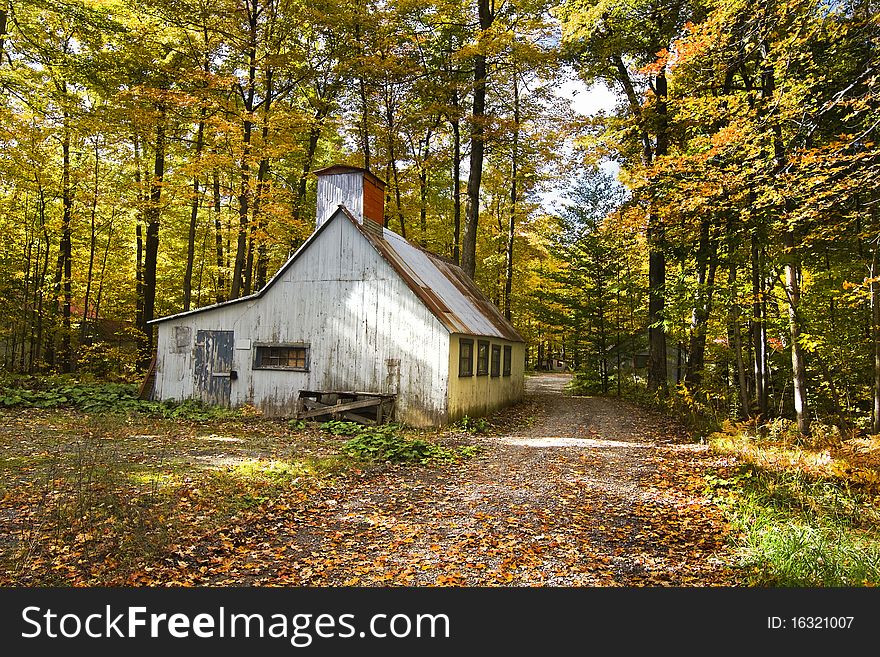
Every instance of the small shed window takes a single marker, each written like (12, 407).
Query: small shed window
(508, 356)
(482, 358)
(496, 360)
(282, 357)
(465, 357)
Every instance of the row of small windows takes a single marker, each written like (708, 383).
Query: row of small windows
(488, 357)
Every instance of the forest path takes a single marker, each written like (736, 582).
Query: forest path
(575, 491)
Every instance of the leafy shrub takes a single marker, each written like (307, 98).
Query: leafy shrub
(389, 447)
(385, 444)
(109, 398)
(779, 428)
(474, 425)
(584, 382)
(86, 397)
(106, 361)
(793, 528)
(342, 428)
(189, 409)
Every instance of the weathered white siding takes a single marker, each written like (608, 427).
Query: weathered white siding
(340, 189)
(366, 329)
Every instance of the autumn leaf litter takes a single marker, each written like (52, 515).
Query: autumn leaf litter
(566, 491)
(563, 491)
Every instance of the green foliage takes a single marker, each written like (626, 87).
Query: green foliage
(474, 425)
(83, 396)
(793, 529)
(796, 555)
(106, 362)
(103, 398)
(695, 413)
(189, 409)
(342, 427)
(385, 443)
(585, 382)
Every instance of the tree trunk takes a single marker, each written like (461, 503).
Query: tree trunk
(257, 272)
(456, 186)
(20, 339)
(707, 262)
(62, 357)
(364, 127)
(193, 218)
(151, 243)
(93, 243)
(139, 238)
(798, 366)
(311, 149)
(475, 175)
(734, 330)
(656, 234)
(218, 238)
(758, 328)
(391, 131)
(40, 298)
(3, 19)
(244, 166)
(260, 275)
(511, 228)
(422, 158)
(792, 256)
(397, 199)
(106, 255)
(657, 366)
(875, 332)
(423, 206)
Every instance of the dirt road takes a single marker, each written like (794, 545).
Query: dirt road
(576, 491)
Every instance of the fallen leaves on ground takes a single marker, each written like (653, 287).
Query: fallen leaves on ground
(565, 492)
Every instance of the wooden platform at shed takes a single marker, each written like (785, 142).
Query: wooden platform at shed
(363, 407)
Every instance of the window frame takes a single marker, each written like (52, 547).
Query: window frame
(482, 364)
(260, 346)
(470, 360)
(495, 361)
(507, 359)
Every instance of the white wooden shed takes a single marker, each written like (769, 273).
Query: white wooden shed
(357, 313)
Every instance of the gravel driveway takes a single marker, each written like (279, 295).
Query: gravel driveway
(575, 491)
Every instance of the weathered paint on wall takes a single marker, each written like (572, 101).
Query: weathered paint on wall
(366, 330)
(479, 395)
(337, 189)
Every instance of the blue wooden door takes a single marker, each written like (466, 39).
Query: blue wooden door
(213, 365)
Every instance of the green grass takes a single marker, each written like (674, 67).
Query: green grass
(793, 529)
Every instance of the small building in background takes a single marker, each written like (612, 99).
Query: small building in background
(359, 323)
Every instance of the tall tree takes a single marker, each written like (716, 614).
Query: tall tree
(486, 14)
(627, 45)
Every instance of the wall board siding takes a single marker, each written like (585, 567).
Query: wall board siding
(340, 189)
(479, 395)
(366, 329)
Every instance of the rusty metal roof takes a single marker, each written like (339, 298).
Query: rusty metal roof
(345, 168)
(442, 286)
